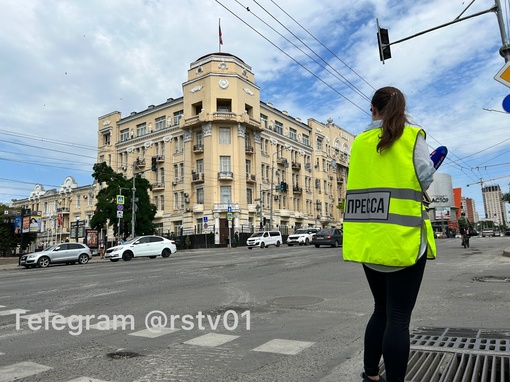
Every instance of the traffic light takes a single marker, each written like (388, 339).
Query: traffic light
(153, 164)
(383, 41)
(282, 186)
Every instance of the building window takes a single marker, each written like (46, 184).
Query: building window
(124, 135)
(106, 139)
(162, 144)
(140, 130)
(161, 175)
(278, 127)
(77, 201)
(200, 139)
(263, 120)
(181, 166)
(176, 172)
(305, 140)
(248, 166)
(225, 135)
(200, 196)
(200, 166)
(224, 163)
(162, 202)
(177, 116)
(101, 159)
(225, 194)
(249, 196)
(319, 144)
(160, 123)
(176, 201)
(176, 145)
(156, 202)
(223, 105)
(292, 134)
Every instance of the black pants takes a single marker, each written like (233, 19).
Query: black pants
(387, 332)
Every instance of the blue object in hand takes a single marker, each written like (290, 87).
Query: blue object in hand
(437, 156)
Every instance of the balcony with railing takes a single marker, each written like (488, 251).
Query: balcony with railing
(140, 163)
(281, 160)
(297, 190)
(198, 148)
(158, 186)
(296, 166)
(225, 175)
(197, 177)
(250, 178)
(248, 149)
(340, 179)
(160, 158)
(64, 211)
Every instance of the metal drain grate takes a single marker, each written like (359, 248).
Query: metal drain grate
(459, 355)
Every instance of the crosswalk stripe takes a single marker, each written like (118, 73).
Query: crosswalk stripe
(288, 347)
(211, 339)
(2, 306)
(19, 370)
(153, 332)
(86, 379)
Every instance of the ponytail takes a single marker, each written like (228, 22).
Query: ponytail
(391, 104)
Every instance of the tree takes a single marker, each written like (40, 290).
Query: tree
(106, 206)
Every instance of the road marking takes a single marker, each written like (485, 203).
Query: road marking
(40, 314)
(211, 340)
(13, 311)
(107, 293)
(119, 324)
(153, 332)
(288, 347)
(2, 306)
(86, 379)
(2, 353)
(21, 370)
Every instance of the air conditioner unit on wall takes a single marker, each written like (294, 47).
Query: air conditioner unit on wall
(174, 183)
(186, 200)
(186, 194)
(188, 210)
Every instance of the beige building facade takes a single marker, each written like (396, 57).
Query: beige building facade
(220, 153)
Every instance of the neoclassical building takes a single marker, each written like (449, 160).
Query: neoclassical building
(218, 153)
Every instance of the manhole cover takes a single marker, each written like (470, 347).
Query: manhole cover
(123, 355)
(493, 279)
(295, 300)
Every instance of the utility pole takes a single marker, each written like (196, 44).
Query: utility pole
(133, 206)
(384, 43)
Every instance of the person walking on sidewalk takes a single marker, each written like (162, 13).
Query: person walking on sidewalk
(387, 229)
(101, 249)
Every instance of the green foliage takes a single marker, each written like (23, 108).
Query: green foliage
(106, 206)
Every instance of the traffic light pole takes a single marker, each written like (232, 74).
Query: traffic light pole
(504, 50)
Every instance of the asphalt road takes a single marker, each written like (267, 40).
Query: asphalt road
(275, 314)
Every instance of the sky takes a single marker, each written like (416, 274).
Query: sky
(65, 63)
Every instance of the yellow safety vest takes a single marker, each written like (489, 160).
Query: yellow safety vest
(384, 215)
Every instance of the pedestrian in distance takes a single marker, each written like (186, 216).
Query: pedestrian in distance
(387, 229)
(101, 249)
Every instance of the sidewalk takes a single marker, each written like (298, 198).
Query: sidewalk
(9, 262)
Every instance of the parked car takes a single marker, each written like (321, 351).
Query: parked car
(488, 232)
(302, 236)
(328, 236)
(264, 239)
(143, 246)
(68, 253)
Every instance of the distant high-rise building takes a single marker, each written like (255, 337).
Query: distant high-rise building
(494, 205)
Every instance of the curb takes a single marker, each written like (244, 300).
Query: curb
(506, 252)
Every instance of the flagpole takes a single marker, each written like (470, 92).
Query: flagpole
(220, 41)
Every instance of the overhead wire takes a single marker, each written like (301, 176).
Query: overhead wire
(293, 59)
(344, 80)
(325, 47)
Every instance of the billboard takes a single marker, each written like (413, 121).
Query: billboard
(442, 213)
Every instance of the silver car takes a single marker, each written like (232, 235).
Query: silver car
(68, 253)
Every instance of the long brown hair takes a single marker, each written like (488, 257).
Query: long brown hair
(391, 104)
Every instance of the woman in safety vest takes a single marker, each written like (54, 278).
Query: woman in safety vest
(387, 229)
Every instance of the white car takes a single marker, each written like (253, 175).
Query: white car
(143, 246)
(264, 239)
(302, 236)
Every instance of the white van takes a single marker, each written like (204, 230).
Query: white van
(264, 239)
